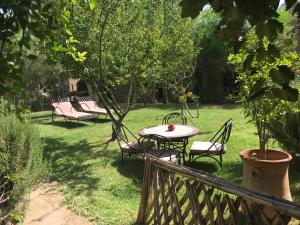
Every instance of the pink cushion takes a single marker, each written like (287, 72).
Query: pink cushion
(91, 106)
(66, 109)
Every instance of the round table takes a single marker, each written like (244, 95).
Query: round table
(180, 131)
(180, 134)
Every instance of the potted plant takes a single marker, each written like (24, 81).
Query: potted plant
(264, 82)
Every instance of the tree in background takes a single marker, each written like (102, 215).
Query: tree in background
(175, 62)
(209, 80)
(21, 22)
(128, 43)
(262, 15)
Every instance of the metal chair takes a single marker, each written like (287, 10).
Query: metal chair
(213, 148)
(174, 117)
(129, 144)
(165, 149)
(177, 118)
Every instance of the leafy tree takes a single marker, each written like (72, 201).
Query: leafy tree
(262, 15)
(264, 73)
(44, 81)
(176, 60)
(20, 22)
(129, 43)
(211, 61)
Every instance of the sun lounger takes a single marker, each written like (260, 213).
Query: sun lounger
(64, 108)
(90, 106)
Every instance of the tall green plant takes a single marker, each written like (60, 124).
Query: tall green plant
(21, 162)
(262, 16)
(264, 82)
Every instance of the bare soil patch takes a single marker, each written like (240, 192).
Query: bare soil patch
(46, 208)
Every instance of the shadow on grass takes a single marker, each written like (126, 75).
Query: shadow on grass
(40, 118)
(99, 120)
(132, 167)
(66, 124)
(209, 167)
(232, 171)
(68, 163)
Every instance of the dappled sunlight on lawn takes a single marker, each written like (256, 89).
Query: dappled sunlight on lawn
(96, 184)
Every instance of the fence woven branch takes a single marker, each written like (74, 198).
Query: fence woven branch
(174, 194)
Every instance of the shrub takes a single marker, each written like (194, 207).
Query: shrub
(21, 161)
(286, 130)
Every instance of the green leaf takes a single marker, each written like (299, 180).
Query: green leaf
(192, 8)
(270, 29)
(73, 40)
(82, 54)
(14, 177)
(47, 7)
(68, 32)
(261, 53)
(286, 93)
(17, 216)
(248, 61)
(282, 74)
(92, 4)
(58, 48)
(274, 51)
(258, 90)
(67, 13)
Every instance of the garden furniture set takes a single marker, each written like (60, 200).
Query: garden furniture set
(168, 141)
(89, 109)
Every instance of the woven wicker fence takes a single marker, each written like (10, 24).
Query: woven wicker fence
(175, 194)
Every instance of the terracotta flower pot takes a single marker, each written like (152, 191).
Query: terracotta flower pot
(268, 172)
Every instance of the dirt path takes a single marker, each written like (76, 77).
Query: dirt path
(45, 208)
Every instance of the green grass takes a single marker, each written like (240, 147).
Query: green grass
(98, 186)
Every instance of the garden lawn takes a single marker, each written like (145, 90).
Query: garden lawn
(98, 186)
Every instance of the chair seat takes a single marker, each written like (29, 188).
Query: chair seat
(201, 147)
(164, 155)
(134, 147)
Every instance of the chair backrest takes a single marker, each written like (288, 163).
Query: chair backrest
(223, 133)
(174, 117)
(227, 131)
(64, 105)
(123, 134)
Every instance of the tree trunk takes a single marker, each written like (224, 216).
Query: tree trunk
(116, 126)
(165, 94)
(153, 94)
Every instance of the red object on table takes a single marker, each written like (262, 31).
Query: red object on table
(171, 127)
